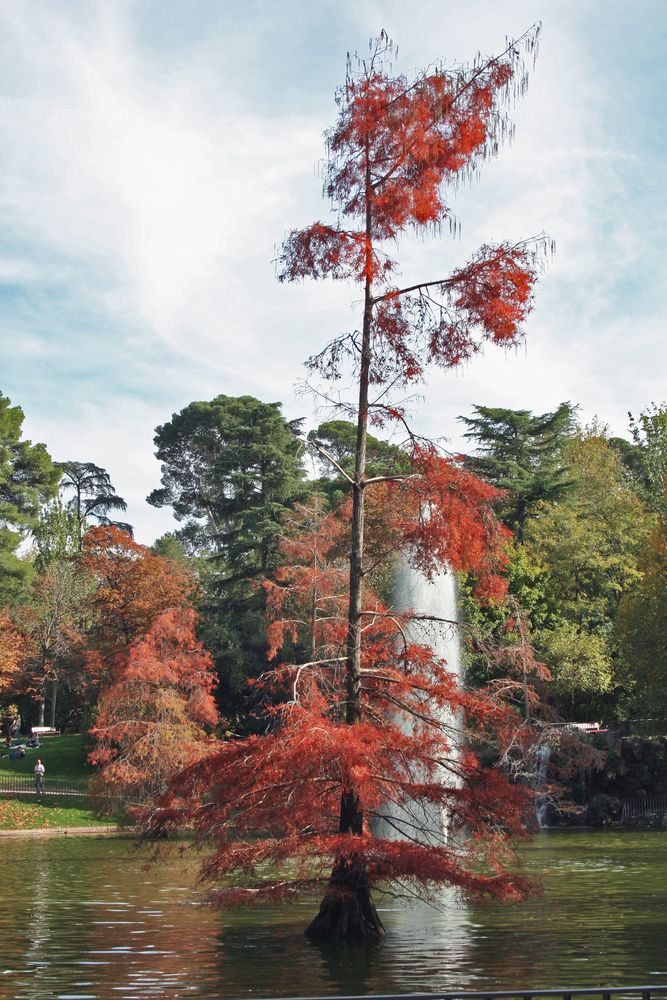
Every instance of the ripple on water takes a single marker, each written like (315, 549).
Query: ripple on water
(92, 909)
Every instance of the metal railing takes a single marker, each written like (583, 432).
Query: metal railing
(24, 784)
(644, 805)
(603, 992)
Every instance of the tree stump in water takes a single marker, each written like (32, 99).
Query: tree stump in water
(347, 912)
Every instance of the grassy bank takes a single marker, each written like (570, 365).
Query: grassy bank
(63, 757)
(31, 814)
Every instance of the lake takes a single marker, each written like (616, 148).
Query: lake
(84, 918)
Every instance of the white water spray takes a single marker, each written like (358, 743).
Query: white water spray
(436, 597)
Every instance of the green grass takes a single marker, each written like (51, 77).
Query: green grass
(30, 814)
(63, 757)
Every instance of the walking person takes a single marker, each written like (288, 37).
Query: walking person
(39, 776)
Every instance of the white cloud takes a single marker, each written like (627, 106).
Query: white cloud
(142, 185)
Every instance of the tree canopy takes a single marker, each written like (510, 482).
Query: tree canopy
(229, 469)
(313, 783)
(94, 496)
(28, 478)
(521, 454)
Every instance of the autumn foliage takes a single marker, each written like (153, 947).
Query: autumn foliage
(132, 588)
(14, 646)
(416, 749)
(156, 716)
(365, 719)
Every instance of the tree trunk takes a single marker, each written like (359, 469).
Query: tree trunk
(347, 912)
(54, 697)
(42, 709)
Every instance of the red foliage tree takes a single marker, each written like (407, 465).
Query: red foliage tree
(365, 720)
(132, 588)
(152, 721)
(14, 648)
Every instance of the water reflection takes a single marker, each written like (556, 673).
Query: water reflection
(85, 919)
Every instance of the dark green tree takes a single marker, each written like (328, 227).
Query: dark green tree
(521, 453)
(336, 439)
(230, 469)
(28, 478)
(93, 496)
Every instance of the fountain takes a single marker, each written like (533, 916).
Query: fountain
(437, 597)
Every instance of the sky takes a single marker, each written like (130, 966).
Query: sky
(153, 153)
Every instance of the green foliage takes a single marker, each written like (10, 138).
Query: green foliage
(589, 541)
(28, 478)
(587, 545)
(648, 464)
(93, 496)
(56, 535)
(578, 660)
(579, 556)
(338, 439)
(169, 546)
(642, 629)
(230, 469)
(521, 454)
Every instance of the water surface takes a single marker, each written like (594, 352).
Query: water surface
(83, 919)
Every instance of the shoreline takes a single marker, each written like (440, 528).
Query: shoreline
(70, 831)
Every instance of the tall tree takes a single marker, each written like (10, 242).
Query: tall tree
(156, 717)
(522, 454)
(56, 535)
(587, 545)
(28, 478)
(132, 588)
(55, 623)
(395, 145)
(230, 468)
(93, 496)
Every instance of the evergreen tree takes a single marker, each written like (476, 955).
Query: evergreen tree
(230, 468)
(94, 496)
(28, 478)
(521, 453)
(336, 439)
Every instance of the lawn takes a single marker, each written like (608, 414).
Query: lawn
(30, 814)
(63, 757)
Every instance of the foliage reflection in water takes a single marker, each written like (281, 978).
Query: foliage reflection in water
(83, 918)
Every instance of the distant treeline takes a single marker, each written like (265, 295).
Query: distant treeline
(587, 560)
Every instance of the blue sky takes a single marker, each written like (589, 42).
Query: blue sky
(152, 154)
